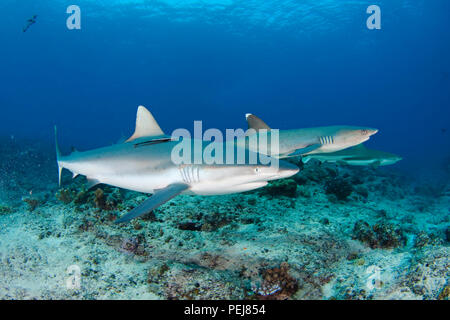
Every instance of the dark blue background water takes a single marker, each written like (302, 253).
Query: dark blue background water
(313, 66)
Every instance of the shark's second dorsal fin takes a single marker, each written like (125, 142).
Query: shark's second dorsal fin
(146, 125)
(255, 122)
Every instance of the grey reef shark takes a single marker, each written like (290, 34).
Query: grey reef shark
(356, 156)
(306, 141)
(144, 163)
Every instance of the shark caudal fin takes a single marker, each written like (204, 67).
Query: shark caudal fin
(58, 156)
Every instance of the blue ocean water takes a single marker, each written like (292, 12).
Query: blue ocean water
(294, 63)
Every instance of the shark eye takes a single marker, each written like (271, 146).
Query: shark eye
(363, 132)
(256, 170)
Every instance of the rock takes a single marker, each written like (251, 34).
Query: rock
(5, 210)
(32, 203)
(284, 187)
(362, 191)
(65, 196)
(277, 283)
(445, 293)
(316, 172)
(423, 239)
(190, 226)
(381, 235)
(338, 187)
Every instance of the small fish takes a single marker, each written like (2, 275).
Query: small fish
(30, 22)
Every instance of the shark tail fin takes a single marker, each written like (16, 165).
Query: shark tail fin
(58, 157)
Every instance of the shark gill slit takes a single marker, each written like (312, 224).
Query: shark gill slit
(189, 173)
(183, 174)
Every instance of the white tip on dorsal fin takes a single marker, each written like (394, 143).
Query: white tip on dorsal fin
(146, 125)
(255, 123)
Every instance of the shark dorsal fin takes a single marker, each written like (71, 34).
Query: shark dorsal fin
(255, 123)
(146, 125)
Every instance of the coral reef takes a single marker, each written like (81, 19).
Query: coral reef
(285, 187)
(5, 209)
(32, 203)
(66, 196)
(277, 283)
(445, 293)
(339, 187)
(380, 235)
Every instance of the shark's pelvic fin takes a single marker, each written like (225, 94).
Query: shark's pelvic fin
(92, 183)
(303, 151)
(146, 125)
(255, 123)
(158, 198)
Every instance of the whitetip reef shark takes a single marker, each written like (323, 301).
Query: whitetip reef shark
(356, 156)
(143, 163)
(306, 141)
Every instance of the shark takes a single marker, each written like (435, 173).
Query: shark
(144, 163)
(356, 156)
(305, 141)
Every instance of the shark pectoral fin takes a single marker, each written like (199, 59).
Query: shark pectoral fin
(305, 150)
(255, 123)
(158, 198)
(91, 183)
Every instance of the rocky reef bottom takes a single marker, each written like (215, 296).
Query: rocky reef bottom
(328, 233)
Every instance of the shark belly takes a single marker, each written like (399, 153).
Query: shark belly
(209, 189)
(143, 182)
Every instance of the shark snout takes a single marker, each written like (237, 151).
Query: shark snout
(371, 132)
